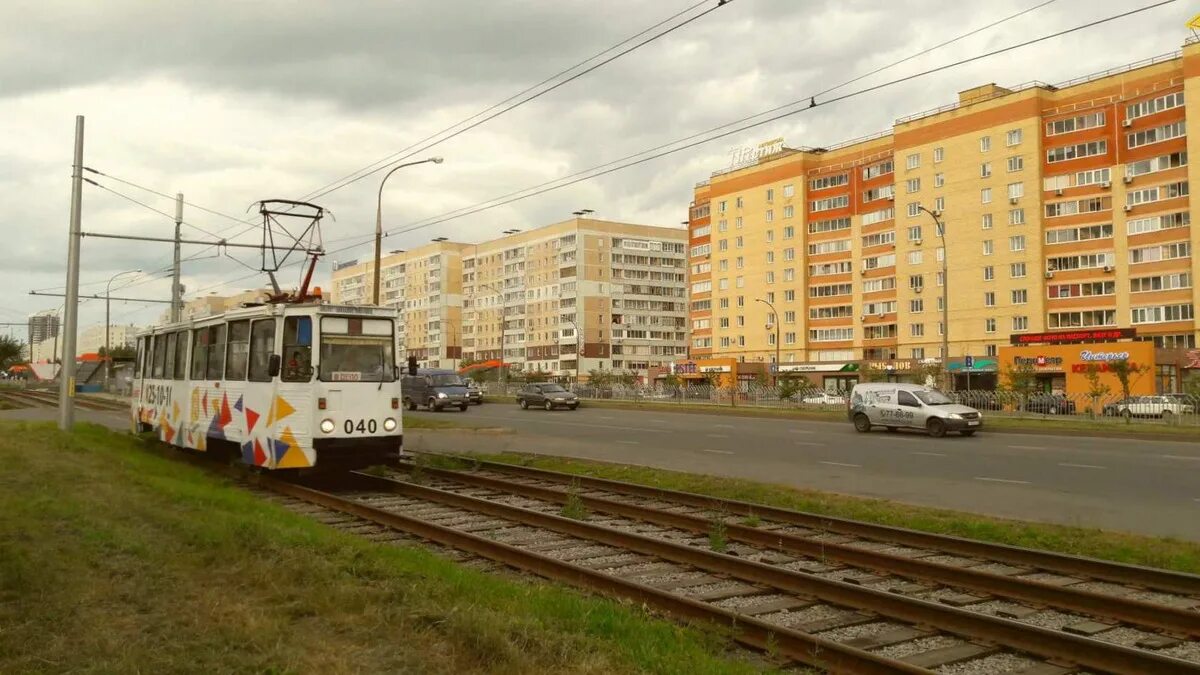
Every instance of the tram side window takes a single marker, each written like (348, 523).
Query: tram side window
(169, 366)
(216, 351)
(239, 348)
(199, 352)
(181, 355)
(160, 356)
(141, 354)
(297, 349)
(262, 345)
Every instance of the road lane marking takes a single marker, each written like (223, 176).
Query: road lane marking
(1192, 459)
(719, 452)
(1003, 480)
(604, 418)
(1028, 447)
(930, 454)
(801, 431)
(595, 426)
(853, 466)
(628, 442)
(813, 443)
(723, 426)
(656, 421)
(1081, 466)
(717, 435)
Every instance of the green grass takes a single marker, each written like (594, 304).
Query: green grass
(8, 404)
(1050, 425)
(114, 559)
(1164, 552)
(415, 422)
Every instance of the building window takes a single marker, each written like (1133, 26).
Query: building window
(1016, 270)
(722, 226)
(989, 273)
(770, 194)
(939, 204)
(1069, 124)
(1016, 190)
(770, 215)
(1016, 217)
(988, 249)
(916, 306)
(740, 262)
(1156, 134)
(722, 206)
(985, 196)
(916, 257)
(739, 202)
(1020, 323)
(1013, 138)
(789, 211)
(913, 161)
(1016, 243)
(789, 232)
(989, 299)
(916, 329)
(770, 236)
(1016, 163)
(916, 282)
(738, 242)
(939, 154)
(985, 143)
(1069, 152)
(989, 325)
(914, 233)
(941, 278)
(1020, 296)
(987, 221)
(939, 179)
(985, 170)
(913, 185)
(737, 222)
(789, 296)
(789, 190)
(990, 350)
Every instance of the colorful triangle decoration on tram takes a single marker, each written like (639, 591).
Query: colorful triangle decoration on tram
(226, 416)
(280, 447)
(251, 419)
(238, 406)
(282, 408)
(195, 409)
(260, 457)
(294, 458)
(204, 403)
(248, 452)
(215, 430)
(169, 432)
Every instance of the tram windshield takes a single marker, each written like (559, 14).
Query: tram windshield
(357, 359)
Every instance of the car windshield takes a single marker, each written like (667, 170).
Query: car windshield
(552, 389)
(447, 380)
(932, 397)
(356, 359)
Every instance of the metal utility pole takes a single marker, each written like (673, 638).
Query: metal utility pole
(776, 322)
(176, 289)
(379, 218)
(66, 384)
(941, 233)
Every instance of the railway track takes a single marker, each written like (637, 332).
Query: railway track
(45, 399)
(820, 603)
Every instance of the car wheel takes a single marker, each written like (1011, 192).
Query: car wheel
(548, 405)
(524, 404)
(893, 430)
(1127, 413)
(936, 428)
(967, 432)
(432, 405)
(1166, 414)
(410, 404)
(862, 424)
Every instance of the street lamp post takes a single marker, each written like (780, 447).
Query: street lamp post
(379, 217)
(108, 324)
(777, 317)
(941, 233)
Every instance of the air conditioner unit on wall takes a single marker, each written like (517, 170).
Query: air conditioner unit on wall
(1059, 192)
(1126, 123)
(1012, 200)
(1105, 185)
(1128, 208)
(1128, 180)
(1049, 274)
(1108, 268)
(916, 242)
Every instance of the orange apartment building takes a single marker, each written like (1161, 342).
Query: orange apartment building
(1065, 208)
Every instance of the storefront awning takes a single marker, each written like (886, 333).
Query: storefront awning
(981, 365)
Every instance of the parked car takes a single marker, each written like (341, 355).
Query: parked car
(546, 395)
(1050, 404)
(824, 398)
(474, 391)
(1149, 406)
(896, 405)
(434, 389)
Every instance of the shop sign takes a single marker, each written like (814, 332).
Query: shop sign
(688, 368)
(747, 155)
(714, 369)
(810, 368)
(1087, 355)
(1038, 361)
(1068, 337)
(892, 365)
(1103, 366)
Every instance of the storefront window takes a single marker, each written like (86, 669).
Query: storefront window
(841, 384)
(1166, 381)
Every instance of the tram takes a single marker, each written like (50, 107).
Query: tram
(284, 385)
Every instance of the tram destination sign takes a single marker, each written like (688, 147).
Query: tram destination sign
(1073, 336)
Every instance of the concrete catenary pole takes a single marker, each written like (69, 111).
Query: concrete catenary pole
(176, 289)
(66, 384)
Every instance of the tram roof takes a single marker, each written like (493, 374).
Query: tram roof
(253, 310)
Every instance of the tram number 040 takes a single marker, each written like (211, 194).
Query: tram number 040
(361, 426)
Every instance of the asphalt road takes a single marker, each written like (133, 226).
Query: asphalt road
(1150, 487)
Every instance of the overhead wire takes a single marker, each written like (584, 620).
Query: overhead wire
(378, 165)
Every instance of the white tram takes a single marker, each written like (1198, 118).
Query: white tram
(285, 386)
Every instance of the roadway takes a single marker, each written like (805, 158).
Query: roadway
(1149, 487)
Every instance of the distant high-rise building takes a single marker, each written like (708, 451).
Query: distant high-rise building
(43, 326)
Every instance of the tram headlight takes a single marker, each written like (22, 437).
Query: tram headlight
(389, 424)
(327, 426)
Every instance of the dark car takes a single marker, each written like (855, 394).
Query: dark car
(1050, 404)
(548, 396)
(474, 391)
(434, 389)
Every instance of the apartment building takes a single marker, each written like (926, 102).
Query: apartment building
(1050, 208)
(578, 295)
(425, 285)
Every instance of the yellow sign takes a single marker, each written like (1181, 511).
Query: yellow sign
(1194, 23)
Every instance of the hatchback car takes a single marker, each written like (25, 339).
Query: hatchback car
(1149, 406)
(548, 396)
(895, 405)
(1050, 404)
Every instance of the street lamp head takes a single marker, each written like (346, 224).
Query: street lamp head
(437, 160)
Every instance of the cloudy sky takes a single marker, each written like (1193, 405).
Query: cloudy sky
(231, 102)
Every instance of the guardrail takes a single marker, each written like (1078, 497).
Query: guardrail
(1165, 409)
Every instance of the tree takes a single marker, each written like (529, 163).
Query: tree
(1191, 385)
(760, 379)
(1127, 374)
(600, 378)
(1096, 389)
(121, 353)
(1021, 379)
(790, 386)
(671, 380)
(11, 351)
(626, 378)
(935, 371)
(872, 373)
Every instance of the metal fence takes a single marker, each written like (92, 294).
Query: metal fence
(1173, 409)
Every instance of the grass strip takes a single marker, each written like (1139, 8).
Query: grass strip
(1164, 552)
(115, 559)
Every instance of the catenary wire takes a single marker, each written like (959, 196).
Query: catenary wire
(396, 156)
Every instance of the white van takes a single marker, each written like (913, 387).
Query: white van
(896, 405)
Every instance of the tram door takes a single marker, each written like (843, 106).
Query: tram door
(294, 405)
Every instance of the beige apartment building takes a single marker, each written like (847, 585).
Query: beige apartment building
(1065, 208)
(562, 299)
(425, 285)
